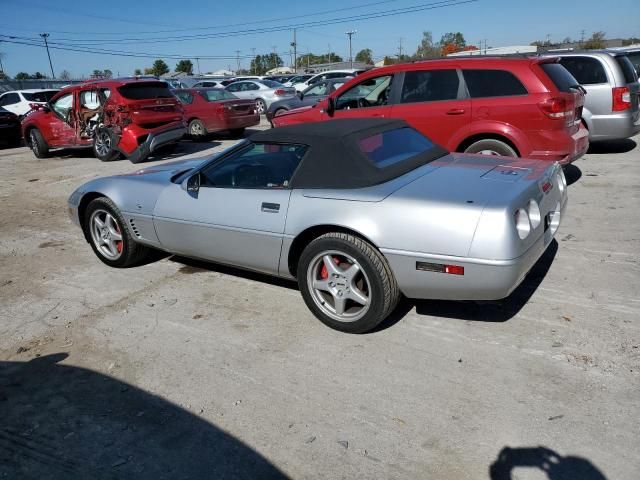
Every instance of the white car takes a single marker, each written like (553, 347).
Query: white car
(19, 101)
(300, 86)
(263, 92)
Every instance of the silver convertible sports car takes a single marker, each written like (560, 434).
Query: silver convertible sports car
(358, 211)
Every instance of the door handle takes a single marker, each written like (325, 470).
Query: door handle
(456, 111)
(270, 207)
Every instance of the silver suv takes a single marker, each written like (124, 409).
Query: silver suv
(611, 105)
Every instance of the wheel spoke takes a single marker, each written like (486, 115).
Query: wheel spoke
(113, 248)
(99, 223)
(330, 265)
(339, 305)
(321, 285)
(357, 295)
(351, 272)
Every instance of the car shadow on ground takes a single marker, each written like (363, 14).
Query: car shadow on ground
(622, 145)
(554, 465)
(498, 311)
(572, 173)
(62, 422)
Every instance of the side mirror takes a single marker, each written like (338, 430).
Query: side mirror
(331, 106)
(193, 183)
(300, 95)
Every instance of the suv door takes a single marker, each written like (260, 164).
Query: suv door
(371, 97)
(60, 123)
(435, 103)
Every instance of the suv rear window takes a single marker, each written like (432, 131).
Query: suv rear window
(146, 90)
(627, 68)
(588, 71)
(492, 83)
(39, 96)
(430, 86)
(393, 146)
(560, 76)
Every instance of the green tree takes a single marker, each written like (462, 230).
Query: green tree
(137, 72)
(427, 49)
(149, 71)
(365, 55)
(263, 63)
(159, 68)
(38, 76)
(106, 73)
(596, 41)
(97, 74)
(454, 38)
(185, 66)
(64, 75)
(22, 76)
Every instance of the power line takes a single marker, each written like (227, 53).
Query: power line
(278, 28)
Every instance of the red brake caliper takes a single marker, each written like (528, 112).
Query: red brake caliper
(324, 274)
(118, 242)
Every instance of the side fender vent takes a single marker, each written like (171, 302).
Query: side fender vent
(134, 228)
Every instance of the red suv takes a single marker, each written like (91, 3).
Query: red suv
(132, 117)
(528, 107)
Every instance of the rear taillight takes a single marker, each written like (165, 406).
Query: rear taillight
(621, 99)
(556, 108)
(279, 92)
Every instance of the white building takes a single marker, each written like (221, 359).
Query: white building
(497, 51)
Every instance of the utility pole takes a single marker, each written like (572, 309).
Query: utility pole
(253, 62)
(238, 60)
(400, 50)
(329, 54)
(46, 44)
(351, 33)
(294, 44)
(198, 63)
(581, 38)
(548, 39)
(485, 46)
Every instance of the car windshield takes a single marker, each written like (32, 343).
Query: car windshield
(270, 83)
(217, 94)
(393, 146)
(300, 78)
(145, 90)
(43, 96)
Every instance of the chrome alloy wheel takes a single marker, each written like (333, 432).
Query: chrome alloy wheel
(103, 143)
(33, 139)
(106, 234)
(260, 106)
(196, 129)
(339, 286)
(488, 152)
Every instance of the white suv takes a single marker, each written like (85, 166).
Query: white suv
(19, 101)
(300, 86)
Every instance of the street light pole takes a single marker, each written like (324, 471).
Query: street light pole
(351, 33)
(46, 44)
(198, 62)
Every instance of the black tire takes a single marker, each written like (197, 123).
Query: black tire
(37, 144)
(279, 110)
(130, 253)
(196, 130)
(382, 287)
(103, 146)
(491, 145)
(236, 133)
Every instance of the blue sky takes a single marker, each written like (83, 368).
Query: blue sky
(74, 22)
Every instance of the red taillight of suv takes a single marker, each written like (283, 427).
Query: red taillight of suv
(621, 99)
(556, 108)
(279, 92)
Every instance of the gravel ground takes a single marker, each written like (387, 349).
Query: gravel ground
(181, 369)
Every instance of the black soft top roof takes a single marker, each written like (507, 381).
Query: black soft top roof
(334, 159)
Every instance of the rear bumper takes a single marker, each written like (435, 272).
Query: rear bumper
(243, 121)
(575, 146)
(614, 126)
(482, 280)
(153, 141)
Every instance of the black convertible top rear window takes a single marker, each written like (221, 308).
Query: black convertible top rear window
(393, 146)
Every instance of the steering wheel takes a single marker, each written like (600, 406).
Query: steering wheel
(363, 103)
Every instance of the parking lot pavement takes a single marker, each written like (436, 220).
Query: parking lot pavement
(182, 369)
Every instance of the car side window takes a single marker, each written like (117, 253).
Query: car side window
(259, 165)
(184, 97)
(430, 86)
(373, 92)
(63, 105)
(234, 87)
(588, 71)
(492, 83)
(319, 88)
(10, 99)
(252, 86)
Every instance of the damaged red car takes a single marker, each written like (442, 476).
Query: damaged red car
(129, 117)
(209, 110)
